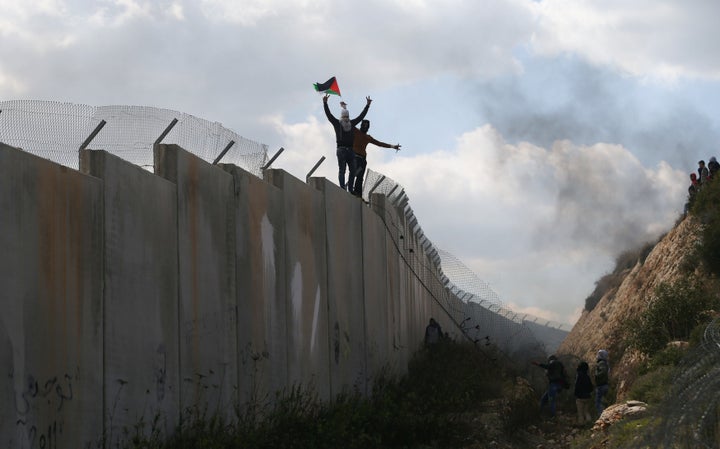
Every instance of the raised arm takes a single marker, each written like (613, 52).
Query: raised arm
(359, 118)
(328, 114)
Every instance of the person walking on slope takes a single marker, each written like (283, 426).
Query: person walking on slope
(583, 393)
(344, 132)
(360, 143)
(602, 375)
(555, 372)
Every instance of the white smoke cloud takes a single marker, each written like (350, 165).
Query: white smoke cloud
(522, 215)
(661, 39)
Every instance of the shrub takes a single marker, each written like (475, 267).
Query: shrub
(673, 312)
(422, 409)
(603, 285)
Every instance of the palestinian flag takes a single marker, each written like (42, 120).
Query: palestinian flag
(329, 87)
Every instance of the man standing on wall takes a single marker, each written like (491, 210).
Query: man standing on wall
(344, 138)
(360, 143)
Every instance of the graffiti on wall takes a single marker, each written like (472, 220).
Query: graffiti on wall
(42, 397)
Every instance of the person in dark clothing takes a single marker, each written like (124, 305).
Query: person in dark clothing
(344, 132)
(713, 167)
(555, 372)
(583, 394)
(692, 192)
(703, 173)
(360, 143)
(602, 375)
(433, 333)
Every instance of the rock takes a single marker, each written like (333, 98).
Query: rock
(617, 412)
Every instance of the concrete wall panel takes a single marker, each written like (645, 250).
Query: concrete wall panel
(51, 325)
(378, 295)
(206, 264)
(400, 255)
(260, 253)
(306, 283)
(345, 266)
(141, 377)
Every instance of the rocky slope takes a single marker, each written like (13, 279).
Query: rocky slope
(602, 328)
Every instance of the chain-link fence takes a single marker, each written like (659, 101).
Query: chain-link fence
(56, 131)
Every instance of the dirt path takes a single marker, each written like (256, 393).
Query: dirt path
(556, 433)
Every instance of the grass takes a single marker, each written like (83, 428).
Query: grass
(427, 408)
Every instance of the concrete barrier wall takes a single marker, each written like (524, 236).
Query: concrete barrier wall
(207, 311)
(305, 283)
(261, 298)
(139, 296)
(51, 325)
(345, 288)
(132, 295)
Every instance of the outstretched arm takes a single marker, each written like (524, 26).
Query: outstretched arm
(359, 118)
(374, 141)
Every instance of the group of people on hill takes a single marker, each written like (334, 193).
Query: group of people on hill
(351, 145)
(584, 385)
(705, 174)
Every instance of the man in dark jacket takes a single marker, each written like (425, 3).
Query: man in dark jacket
(703, 173)
(344, 138)
(555, 372)
(433, 333)
(602, 374)
(713, 167)
(583, 393)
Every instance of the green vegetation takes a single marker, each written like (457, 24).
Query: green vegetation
(675, 310)
(672, 313)
(432, 406)
(707, 208)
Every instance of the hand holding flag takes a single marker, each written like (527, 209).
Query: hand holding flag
(328, 87)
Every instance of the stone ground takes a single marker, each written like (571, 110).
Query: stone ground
(560, 432)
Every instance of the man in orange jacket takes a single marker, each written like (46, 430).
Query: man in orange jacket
(361, 139)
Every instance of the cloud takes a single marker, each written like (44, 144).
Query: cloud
(523, 215)
(305, 144)
(539, 138)
(565, 98)
(661, 39)
(10, 84)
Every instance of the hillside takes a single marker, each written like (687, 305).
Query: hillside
(603, 327)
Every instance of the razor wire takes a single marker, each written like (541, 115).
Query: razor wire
(55, 131)
(689, 415)
(470, 303)
(691, 410)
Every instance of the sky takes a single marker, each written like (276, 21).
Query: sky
(540, 139)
